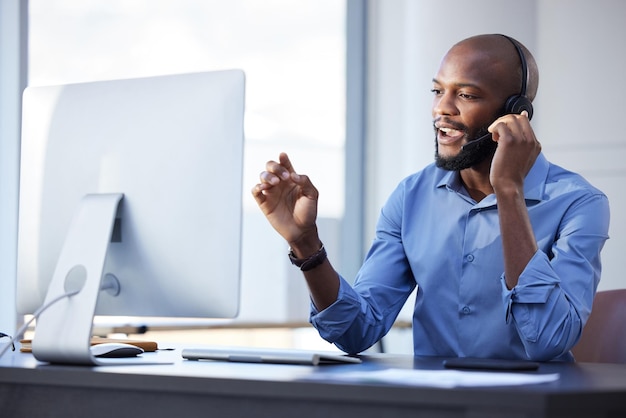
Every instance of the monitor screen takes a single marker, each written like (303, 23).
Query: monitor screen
(155, 164)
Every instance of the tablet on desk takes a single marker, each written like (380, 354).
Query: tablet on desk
(267, 355)
(472, 363)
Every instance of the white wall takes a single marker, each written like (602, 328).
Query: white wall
(12, 79)
(579, 109)
(582, 61)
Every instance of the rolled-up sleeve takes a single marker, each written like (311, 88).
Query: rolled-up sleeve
(552, 300)
(335, 320)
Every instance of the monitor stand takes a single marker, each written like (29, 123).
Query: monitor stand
(63, 330)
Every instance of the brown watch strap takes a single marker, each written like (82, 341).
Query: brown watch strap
(309, 263)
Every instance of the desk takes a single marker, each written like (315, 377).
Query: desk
(218, 389)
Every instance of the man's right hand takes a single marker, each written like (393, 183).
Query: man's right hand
(289, 202)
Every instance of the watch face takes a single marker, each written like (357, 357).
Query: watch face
(295, 261)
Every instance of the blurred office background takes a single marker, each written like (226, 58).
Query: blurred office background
(343, 87)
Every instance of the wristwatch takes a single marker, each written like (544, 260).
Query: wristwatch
(306, 264)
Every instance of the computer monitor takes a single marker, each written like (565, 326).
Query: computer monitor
(135, 184)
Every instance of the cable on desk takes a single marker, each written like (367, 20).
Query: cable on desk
(2, 335)
(36, 315)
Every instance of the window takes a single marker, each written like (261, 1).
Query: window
(294, 56)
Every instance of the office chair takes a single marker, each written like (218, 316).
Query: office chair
(604, 336)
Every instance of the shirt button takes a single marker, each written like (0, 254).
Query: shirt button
(466, 310)
(470, 258)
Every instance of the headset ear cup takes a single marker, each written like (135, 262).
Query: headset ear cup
(517, 104)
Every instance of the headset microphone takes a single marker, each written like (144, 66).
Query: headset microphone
(476, 142)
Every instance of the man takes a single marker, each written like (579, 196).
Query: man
(503, 246)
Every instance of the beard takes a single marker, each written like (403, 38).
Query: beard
(467, 157)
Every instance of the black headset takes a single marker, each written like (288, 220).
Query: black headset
(517, 103)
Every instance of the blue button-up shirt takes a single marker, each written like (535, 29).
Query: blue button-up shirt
(433, 235)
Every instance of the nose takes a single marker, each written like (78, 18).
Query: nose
(444, 104)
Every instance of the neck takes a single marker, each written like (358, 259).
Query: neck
(476, 180)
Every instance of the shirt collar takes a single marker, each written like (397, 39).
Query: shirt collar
(534, 184)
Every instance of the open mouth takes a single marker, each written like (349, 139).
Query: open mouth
(447, 135)
(453, 133)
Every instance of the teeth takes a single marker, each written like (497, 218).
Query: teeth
(449, 131)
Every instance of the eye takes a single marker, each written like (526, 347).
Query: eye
(436, 91)
(467, 96)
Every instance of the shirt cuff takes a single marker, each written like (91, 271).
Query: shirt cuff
(332, 322)
(534, 284)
